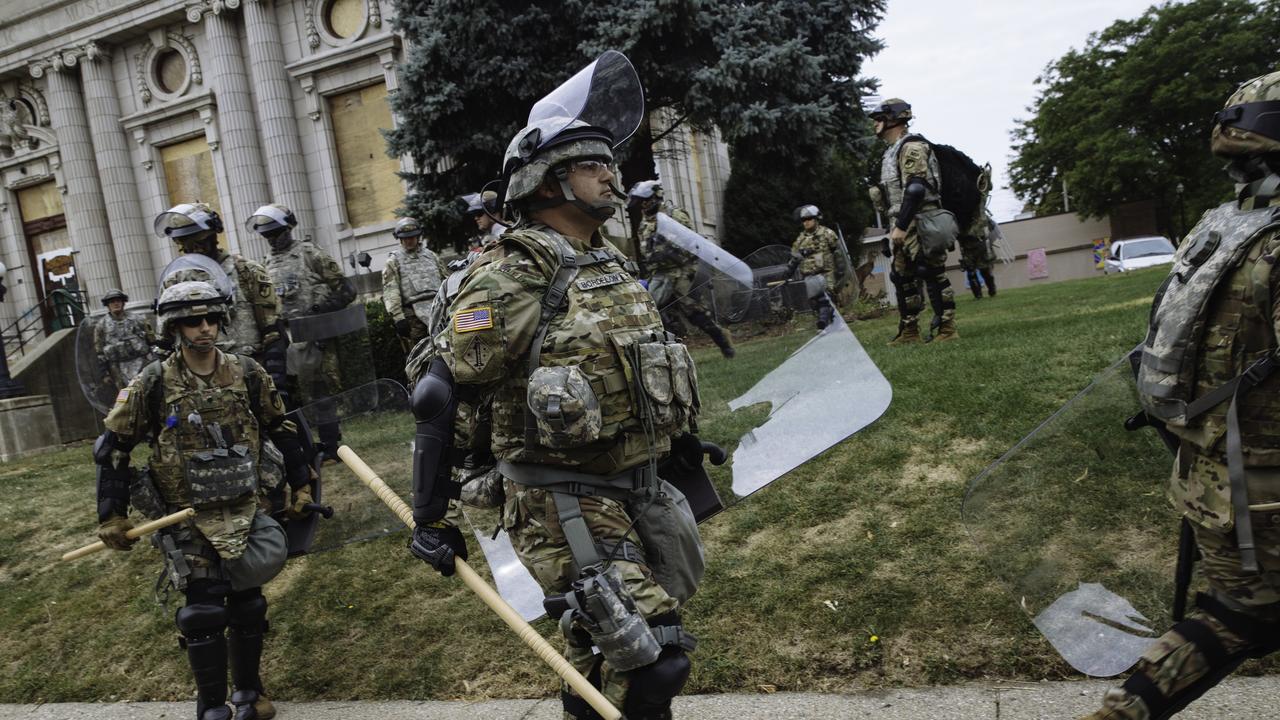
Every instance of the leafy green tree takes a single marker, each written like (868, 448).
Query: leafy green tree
(1128, 117)
(779, 77)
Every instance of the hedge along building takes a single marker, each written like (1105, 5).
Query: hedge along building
(112, 111)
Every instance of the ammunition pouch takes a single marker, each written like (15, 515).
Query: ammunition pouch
(145, 497)
(220, 476)
(667, 387)
(565, 409)
(600, 603)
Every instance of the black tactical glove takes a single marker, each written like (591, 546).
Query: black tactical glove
(402, 327)
(437, 546)
(885, 250)
(297, 466)
(793, 265)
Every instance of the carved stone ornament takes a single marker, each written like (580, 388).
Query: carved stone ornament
(145, 60)
(65, 59)
(309, 24)
(197, 11)
(375, 13)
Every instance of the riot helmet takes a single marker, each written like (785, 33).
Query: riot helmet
(582, 120)
(891, 112)
(190, 298)
(114, 294)
(407, 228)
(273, 222)
(808, 212)
(647, 194)
(1248, 126)
(193, 226)
(481, 202)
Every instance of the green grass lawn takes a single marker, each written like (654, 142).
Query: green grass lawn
(866, 540)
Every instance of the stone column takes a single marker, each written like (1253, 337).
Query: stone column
(119, 186)
(271, 87)
(237, 128)
(83, 204)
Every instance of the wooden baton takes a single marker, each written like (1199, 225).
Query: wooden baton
(143, 529)
(540, 647)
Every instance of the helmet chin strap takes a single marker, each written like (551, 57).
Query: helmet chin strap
(601, 212)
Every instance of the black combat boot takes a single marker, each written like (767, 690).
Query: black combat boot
(990, 278)
(974, 284)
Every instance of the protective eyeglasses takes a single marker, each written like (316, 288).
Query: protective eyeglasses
(594, 168)
(196, 321)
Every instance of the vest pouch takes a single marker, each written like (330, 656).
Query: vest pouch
(565, 408)
(672, 546)
(220, 476)
(938, 233)
(684, 377)
(657, 383)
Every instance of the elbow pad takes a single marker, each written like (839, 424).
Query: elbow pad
(912, 198)
(435, 406)
(111, 453)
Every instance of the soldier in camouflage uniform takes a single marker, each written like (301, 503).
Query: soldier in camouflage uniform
(253, 324)
(410, 280)
(576, 454)
(208, 415)
(673, 272)
(122, 341)
(481, 206)
(308, 282)
(816, 252)
(976, 253)
(909, 182)
(1216, 321)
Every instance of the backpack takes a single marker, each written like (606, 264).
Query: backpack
(959, 180)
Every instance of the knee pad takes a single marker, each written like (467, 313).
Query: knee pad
(247, 614)
(652, 687)
(1219, 662)
(201, 620)
(912, 301)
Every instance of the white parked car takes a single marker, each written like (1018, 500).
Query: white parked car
(1140, 252)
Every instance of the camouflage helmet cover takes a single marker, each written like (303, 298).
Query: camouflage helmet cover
(646, 189)
(1249, 123)
(892, 109)
(190, 298)
(271, 218)
(114, 294)
(187, 219)
(807, 212)
(407, 228)
(528, 158)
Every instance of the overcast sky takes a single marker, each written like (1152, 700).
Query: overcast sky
(968, 67)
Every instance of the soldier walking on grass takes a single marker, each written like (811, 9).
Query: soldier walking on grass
(816, 253)
(552, 326)
(1207, 375)
(220, 444)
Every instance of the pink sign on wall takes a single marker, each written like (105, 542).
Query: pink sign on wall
(1037, 264)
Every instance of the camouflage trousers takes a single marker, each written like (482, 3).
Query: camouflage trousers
(974, 254)
(1175, 665)
(914, 275)
(529, 517)
(417, 330)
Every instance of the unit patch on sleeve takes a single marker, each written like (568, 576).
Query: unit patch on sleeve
(473, 319)
(600, 281)
(477, 354)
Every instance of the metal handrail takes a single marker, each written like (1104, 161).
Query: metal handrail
(60, 309)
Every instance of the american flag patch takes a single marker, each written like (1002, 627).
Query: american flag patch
(474, 319)
(122, 396)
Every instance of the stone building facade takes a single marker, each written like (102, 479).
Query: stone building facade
(111, 111)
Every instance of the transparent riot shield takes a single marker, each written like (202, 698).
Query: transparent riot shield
(109, 353)
(1073, 519)
(778, 404)
(329, 353)
(93, 368)
(377, 423)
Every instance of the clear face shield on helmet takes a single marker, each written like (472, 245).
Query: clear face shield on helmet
(605, 94)
(273, 223)
(185, 268)
(187, 222)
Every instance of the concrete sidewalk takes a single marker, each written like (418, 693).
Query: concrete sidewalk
(1243, 698)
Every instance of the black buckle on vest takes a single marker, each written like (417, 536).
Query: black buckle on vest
(1260, 370)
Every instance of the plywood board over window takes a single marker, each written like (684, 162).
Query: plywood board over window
(188, 173)
(370, 186)
(39, 202)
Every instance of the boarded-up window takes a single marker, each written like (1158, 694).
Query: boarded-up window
(40, 201)
(369, 181)
(188, 173)
(49, 243)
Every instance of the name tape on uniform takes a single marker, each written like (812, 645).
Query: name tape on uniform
(474, 319)
(600, 281)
